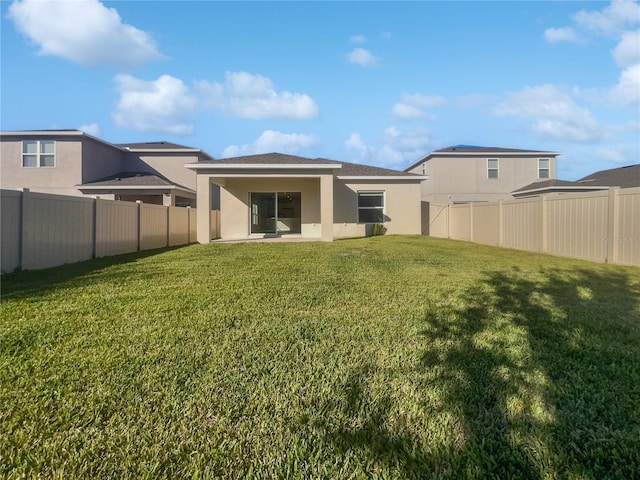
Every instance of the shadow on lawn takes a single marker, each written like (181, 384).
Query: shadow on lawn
(27, 282)
(542, 373)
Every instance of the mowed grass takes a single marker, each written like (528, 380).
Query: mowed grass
(384, 357)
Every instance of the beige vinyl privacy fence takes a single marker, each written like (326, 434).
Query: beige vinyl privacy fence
(44, 230)
(601, 226)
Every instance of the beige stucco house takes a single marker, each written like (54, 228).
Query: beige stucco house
(71, 162)
(285, 195)
(464, 173)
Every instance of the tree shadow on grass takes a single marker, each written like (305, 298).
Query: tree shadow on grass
(542, 372)
(27, 282)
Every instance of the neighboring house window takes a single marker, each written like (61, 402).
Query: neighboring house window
(38, 153)
(424, 168)
(543, 168)
(370, 207)
(492, 168)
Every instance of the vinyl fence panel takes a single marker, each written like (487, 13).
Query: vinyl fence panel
(626, 239)
(116, 227)
(178, 226)
(11, 206)
(154, 223)
(56, 230)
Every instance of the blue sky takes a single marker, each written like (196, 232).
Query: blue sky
(381, 83)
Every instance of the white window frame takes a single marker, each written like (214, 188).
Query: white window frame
(547, 169)
(371, 193)
(38, 154)
(496, 169)
(424, 168)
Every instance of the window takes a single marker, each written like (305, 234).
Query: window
(543, 168)
(424, 168)
(492, 168)
(370, 207)
(38, 153)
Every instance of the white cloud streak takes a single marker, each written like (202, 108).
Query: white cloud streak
(168, 104)
(91, 129)
(244, 95)
(360, 56)
(84, 32)
(272, 141)
(162, 105)
(565, 34)
(554, 113)
(612, 20)
(399, 147)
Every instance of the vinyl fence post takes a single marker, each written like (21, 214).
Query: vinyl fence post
(24, 193)
(139, 202)
(168, 224)
(544, 230)
(188, 225)
(612, 226)
(500, 225)
(471, 222)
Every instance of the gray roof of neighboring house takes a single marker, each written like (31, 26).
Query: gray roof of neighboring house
(546, 184)
(155, 146)
(133, 180)
(624, 177)
(477, 149)
(348, 169)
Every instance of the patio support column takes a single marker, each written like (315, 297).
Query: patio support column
(326, 207)
(203, 215)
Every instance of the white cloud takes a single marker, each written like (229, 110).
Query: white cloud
(85, 32)
(612, 154)
(627, 52)
(272, 141)
(412, 107)
(163, 105)
(355, 144)
(250, 96)
(398, 147)
(612, 20)
(402, 111)
(363, 57)
(423, 101)
(554, 113)
(91, 129)
(565, 34)
(358, 39)
(627, 90)
(167, 104)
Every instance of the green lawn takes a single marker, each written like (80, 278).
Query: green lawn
(384, 357)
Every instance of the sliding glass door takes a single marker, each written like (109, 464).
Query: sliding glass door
(276, 213)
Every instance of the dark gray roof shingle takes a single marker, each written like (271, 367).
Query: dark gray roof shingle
(133, 180)
(476, 149)
(348, 169)
(155, 146)
(624, 177)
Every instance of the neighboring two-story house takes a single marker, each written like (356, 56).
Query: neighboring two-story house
(465, 173)
(71, 162)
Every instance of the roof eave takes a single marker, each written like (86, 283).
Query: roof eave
(559, 187)
(261, 166)
(382, 177)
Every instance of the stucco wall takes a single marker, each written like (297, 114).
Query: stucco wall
(59, 179)
(464, 178)
(100, 160)
(234, 203)
(169, 165)
(402, 207)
